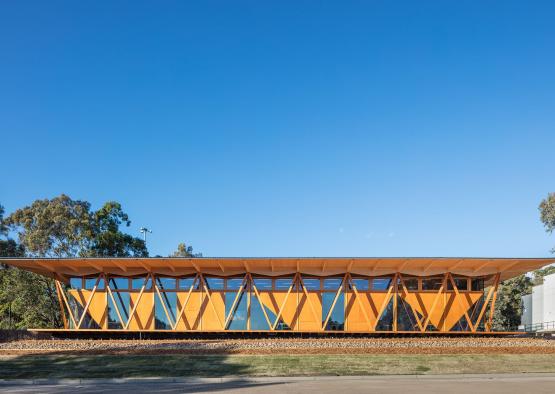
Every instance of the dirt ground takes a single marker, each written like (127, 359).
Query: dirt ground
(416, 345)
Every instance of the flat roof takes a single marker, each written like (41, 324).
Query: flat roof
(64, 268)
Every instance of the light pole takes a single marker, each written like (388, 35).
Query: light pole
(145, 230)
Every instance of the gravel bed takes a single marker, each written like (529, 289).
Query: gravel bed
(283, 345)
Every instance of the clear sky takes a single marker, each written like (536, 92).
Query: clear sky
(318, 128)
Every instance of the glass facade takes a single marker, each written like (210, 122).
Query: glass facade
(260, 303)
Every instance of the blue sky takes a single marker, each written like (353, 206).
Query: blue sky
(288, 128)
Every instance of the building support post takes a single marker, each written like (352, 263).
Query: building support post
(62, 312)
(492, 307)
(395, 293)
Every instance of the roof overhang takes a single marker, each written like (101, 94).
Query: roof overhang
(62, 269)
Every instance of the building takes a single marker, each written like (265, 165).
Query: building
(539, 307)
(316, 295)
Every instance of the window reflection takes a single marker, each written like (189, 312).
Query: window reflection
(311, 284)
(215, 283)
(165, 283)
(478, 284)
(283, 283)
(186, 283)
(119, 283)
(122, 301)
(170, 302)
(432, 283)
(234, 283)
(360, 284)
(381, 283)
(411, 284)
(90, 282)
(76, 283)
(258, 320)
(137, 283)
(461, 283)
(263, 284)
(337, 317)
(332, 283)
(239, 317)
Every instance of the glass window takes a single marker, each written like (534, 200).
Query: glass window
(332, 283)
(239, 318)
(477, 284)
(186, 283)
(405, 318)
(90, 282)
(215, 283)
(122, 303)
(258, 320)
(137, 283)
(161, 319)
(381, 283)
(386, 320)
(432, 284)
(360, 284)
(283, 283)
(311, 284)
(165, 283)
(76, 283)
(411, 284)
(263, 284)
(234, 283)
(119, 283)
(461, 283)
(337, 317)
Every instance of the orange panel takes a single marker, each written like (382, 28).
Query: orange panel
(274, 300)
(97, 308)
(448, 310)
(143, 318)
(310, 318)
(192, 310)
(209, 318)
(371, 302)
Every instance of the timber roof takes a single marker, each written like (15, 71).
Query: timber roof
(62, 269)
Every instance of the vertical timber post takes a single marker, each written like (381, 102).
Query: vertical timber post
(395, 291)
(249, 290)
(492, 307)
(64, 319)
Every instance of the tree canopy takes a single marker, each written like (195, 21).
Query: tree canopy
(58, 227)
(108, 240)
(547, 213)
(185, 251)
(8, 247)
(62, 227)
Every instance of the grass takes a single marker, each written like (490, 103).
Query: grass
(110, 366)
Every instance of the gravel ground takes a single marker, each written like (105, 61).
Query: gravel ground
(436, 345)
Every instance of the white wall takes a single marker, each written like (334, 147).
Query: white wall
(537, 302)
(549, 298)
(526, 318)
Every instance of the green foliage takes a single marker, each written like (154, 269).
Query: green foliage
(108, 240)
(547, 213)
(185, 251)
(53, 228)
(3, 227)
(60, 227)
(63, 227)
(27, 300)
(8, 247)
(508, 307)
(539, 274)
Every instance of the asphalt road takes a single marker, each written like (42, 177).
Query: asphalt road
(522, 383)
